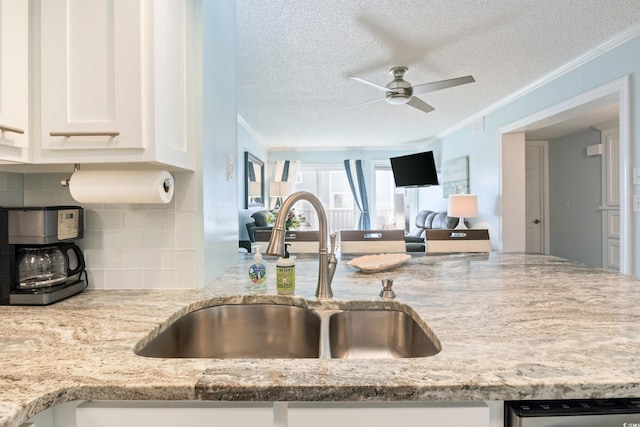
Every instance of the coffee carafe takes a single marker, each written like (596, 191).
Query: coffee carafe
(46, 266)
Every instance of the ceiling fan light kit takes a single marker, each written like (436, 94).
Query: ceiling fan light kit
(399, 91)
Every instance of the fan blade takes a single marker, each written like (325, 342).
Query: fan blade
(418, 103)
(442, 84)
(364, 103)
(367, 82)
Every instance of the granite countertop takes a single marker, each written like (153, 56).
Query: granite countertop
(511, 326)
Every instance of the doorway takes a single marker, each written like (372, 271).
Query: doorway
(512, 227)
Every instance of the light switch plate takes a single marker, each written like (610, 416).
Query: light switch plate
(636, 203)
(229, 167)
(636, 176)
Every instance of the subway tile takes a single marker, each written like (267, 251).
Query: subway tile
(96, 279)
(157, 279)
(103, 259)
(167, 258)
(11, 198)
(92, 239)
(186, 269)
(15, 182)
(123, 239)
(142, 219)
(169, 220)
(32, 181)
(184, 195)
(52, 181)
(185, 230)
(103, 220)
(124, 279)
(159, 239)
(43, 198)
(145, 259)
(125, 245)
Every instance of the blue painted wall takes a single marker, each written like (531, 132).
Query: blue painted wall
(484, 149)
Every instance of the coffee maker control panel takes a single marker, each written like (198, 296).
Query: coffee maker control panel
(44, 225)
(68, 224)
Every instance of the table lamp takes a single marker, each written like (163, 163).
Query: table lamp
(462, 206)
(279, 191)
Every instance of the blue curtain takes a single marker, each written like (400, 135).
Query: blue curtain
(359, 193)
(285, 171)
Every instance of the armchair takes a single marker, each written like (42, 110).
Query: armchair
(427, 220)
(259, 223)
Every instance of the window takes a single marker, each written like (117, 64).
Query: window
(388, 202)
(329, 182)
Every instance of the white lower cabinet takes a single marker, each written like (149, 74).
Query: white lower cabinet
(270, 414)
(386, 414)
(171, 414)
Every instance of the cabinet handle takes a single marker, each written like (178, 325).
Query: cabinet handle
(5, 128)
(71, 134)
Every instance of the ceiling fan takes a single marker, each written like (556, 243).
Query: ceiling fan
(400, 91)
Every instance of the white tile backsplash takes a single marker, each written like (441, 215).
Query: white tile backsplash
(125, 245)
(124, 279)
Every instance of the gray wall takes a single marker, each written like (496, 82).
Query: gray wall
(575, 223)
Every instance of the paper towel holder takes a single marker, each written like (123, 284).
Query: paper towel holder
(166, 185)
(65, 182)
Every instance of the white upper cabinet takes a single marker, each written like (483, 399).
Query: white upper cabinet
(14, 80)
(113, 82)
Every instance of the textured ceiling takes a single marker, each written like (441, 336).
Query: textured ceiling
(294, 59)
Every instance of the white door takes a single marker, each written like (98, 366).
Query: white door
(610, 199)
(536, 214)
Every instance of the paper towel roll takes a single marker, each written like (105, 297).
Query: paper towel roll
(121, 186)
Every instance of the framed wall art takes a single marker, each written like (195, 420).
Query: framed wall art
(455, 176)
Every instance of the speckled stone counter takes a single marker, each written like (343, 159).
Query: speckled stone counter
(511, 326)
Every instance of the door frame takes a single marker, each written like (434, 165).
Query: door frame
(512, 181)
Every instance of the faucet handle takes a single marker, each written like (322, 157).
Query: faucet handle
(386, 291)
(332, 243)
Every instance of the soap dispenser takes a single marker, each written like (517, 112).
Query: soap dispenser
(258, 273)
(285, 273)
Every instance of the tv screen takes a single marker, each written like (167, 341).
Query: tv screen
(414, 170)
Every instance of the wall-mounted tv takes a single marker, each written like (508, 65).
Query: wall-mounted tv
(414, 170)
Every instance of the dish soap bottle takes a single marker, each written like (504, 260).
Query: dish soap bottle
(258, 273)
(285, 273)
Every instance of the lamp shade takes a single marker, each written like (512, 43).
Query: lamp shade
(463, 206)
(280, 189)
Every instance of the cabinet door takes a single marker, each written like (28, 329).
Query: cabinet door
(385, 414)
(91, 70)
(14, 80)
(171, 414)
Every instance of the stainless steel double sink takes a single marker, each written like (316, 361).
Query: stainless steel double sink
(269, 330)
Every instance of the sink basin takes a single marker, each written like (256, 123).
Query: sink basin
(377, 334)
(267, 331)
(240, 331)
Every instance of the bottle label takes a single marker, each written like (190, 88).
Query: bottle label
(286, 280)
(258, 273)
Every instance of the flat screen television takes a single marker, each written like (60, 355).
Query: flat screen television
(414, 170)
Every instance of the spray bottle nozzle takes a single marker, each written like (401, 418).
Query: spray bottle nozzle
(286, 250)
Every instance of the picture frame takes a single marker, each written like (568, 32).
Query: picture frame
(455, 176)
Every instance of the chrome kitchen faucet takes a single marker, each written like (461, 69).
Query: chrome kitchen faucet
(327, 262)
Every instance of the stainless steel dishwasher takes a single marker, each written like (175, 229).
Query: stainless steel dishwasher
(572, 413)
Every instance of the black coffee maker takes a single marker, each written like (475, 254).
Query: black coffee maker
(39, 263)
